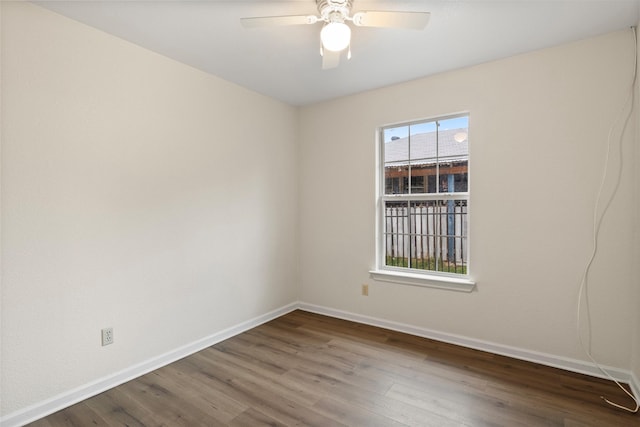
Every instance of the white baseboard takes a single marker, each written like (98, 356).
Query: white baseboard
(63, 400)
(44, 408)
(565, 363)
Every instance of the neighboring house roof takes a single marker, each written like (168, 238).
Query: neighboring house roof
(423, 148)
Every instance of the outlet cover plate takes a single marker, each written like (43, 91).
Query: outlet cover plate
(107, 336)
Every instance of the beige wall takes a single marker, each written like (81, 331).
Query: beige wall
(538, 131)
(135, 195)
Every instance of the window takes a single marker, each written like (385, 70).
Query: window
(423, 200)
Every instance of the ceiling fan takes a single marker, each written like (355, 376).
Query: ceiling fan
(335, 35)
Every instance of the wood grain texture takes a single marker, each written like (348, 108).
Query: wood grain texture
(305, 369)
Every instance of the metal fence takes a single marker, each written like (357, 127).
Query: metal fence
(428, 235)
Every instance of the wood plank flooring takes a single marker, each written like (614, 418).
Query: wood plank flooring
(306, 369)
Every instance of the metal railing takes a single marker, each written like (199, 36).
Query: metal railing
(426, 235)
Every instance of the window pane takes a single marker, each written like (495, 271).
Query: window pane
(396, 160)
(396, 179)
(453, 177)
(424, 229)
(394, 133)
(453, 154)
(396, 234)
(396, 145)
(438, 235)
(423, 156)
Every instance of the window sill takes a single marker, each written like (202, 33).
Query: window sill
(429, 281)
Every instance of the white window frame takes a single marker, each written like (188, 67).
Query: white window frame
(405, 275)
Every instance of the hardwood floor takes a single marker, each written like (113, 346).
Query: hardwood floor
(308, 369)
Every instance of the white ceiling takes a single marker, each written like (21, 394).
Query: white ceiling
(284, 62)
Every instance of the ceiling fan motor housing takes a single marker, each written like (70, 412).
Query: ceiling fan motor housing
(334, 10)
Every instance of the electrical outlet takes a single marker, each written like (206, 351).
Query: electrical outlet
(107, 336)
(365, 290)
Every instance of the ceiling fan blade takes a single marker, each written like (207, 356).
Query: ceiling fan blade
(276, 21)
(408, 20)
(330, 59)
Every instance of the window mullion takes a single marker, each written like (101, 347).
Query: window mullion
(424, 197)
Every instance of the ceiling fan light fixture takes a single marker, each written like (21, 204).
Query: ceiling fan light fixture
(335, 36)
